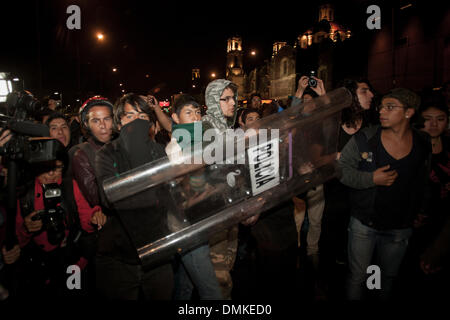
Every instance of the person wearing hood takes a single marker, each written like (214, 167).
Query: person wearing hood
(221, 100)
(134, 221)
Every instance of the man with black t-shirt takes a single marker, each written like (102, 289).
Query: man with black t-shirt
(386, 167)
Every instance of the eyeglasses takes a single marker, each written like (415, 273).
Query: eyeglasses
(388, 107)
(227, 99)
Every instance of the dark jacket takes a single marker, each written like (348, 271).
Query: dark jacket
(83, 169)
(358, 162)
(137, 220)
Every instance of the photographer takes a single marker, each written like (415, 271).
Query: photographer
(43, 222)
(309, 88)
(306, 82)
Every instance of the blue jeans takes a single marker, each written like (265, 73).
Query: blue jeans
(197, 270)
(390, 246)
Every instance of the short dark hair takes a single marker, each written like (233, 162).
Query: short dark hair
(136, 102)
(434, 100)
(256, 94)
(268, 109)
(247, 111)
(354, 112)
(182, 101)
(56, 115)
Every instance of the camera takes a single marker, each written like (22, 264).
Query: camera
(22, 104)
(311, 81)
(19, 107)
(54, 215)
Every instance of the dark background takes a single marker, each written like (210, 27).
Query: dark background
(164, 40)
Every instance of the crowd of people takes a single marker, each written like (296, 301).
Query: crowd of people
(388, 206)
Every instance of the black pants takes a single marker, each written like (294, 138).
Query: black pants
(118, 280)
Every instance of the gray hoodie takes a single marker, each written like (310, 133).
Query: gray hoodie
(214, 117)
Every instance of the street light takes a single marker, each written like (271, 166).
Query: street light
(253, 53)
(213, 75)
(5, 86)
(114, 69)
(100, 36)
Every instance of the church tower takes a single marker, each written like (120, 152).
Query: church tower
(234, 57)
(195, 82)
(326, 12)
(235, 68)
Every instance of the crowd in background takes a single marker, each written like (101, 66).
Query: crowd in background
(389, 207)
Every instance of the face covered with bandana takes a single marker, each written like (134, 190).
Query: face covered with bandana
(134, 135)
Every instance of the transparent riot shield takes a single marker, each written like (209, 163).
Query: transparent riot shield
(233, 175)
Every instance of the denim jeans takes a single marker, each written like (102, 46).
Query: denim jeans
(197, 270)
(315, 203)
(390, 246)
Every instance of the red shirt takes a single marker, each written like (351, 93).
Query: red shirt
(84, 210)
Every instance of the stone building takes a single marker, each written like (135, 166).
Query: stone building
(234, 69)
(282, 71)
(313, 50)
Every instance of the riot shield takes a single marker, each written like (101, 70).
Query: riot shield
(234, 175)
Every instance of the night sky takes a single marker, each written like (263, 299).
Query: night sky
(163, 41)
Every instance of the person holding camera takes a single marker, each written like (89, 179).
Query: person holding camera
(315, 84)
(43, 221)
(313, 202)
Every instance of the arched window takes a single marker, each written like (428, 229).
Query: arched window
(284, 67)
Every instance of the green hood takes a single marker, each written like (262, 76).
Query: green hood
(214, 113)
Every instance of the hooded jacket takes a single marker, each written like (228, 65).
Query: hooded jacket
(214, 117)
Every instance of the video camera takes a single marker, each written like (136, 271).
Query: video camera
(53, 215)
(21, 106)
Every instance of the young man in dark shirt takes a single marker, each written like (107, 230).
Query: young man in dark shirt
(137, 220)
(386, 167)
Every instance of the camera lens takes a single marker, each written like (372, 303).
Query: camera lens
(312, 82)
